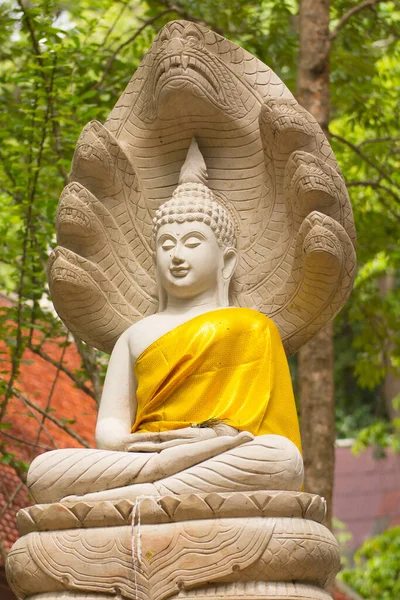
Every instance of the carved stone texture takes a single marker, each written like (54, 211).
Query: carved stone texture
(219, 464)
(259, 590)
(170, 509)
(71, 596)
(268, 162)
(155, 562)
(256, 590)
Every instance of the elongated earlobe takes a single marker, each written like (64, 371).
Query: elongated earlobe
(230, 258)
(230, 263)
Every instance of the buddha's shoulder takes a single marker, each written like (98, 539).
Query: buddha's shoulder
(139, 328)
(143, 333)
(253, 322)
(253, 317)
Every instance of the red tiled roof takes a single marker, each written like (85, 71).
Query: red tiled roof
(9, 484)
(41, 383)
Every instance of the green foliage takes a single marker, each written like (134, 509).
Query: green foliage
(343, 537)
(376, 575)
(365, 78)
(65, 62)
(381, 435)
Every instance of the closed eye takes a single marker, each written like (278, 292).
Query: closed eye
(167, 245)
(192, 241)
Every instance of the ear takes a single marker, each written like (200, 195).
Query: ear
(230, 258)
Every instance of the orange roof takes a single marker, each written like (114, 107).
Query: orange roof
(46, 388)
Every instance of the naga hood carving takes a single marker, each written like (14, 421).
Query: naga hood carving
(266, 157)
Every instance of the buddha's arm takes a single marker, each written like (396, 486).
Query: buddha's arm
(118, 402)
(118, 408)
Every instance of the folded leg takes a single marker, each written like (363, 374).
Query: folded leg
(269, 462)
(53, 475)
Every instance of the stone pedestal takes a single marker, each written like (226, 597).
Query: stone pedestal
(261, 545)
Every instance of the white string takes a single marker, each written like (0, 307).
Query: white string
(136, 543)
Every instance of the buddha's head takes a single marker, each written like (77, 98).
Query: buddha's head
(195, 238)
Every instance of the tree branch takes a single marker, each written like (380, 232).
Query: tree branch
(114, 24)
(7, 170)
(8, 506)
(361, 154)
(79, 384)
(51, 418)
(350, 13)
(376, 185)
(382, 200)
(17, 350)
(89, 361)
(126, 43)
(15, 197)
(11, 498)
(50, 396)
(48, 86)
(25, 442)
(29, 25)
(189, 17)
(14, 464)
(379, 140)
(38, 421)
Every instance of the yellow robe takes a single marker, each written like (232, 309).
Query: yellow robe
(227, 364)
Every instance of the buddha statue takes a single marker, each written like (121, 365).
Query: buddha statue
(197, 373)
(206, 234)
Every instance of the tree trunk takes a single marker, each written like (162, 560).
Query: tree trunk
(316, 392)
(312, 90)
(315, 372)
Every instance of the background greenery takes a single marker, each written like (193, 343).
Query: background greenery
(63, 63)
(376, 575)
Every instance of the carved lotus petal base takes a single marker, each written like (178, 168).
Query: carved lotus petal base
(171, 509)
(198, 548)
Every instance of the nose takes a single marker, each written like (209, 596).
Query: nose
(176, 258)
(175, 46)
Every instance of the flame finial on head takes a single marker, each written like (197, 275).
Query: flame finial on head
(194, 168)
(193, 200)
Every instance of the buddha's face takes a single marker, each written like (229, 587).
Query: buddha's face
(189, 260)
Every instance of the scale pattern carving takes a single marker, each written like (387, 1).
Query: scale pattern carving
(173, 557)
(267, 159)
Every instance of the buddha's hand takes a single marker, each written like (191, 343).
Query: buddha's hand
(224, 429)
(157, 441)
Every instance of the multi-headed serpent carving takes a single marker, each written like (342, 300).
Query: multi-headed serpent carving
(267, 159)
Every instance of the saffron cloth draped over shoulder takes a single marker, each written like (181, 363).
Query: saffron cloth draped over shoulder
(228, 364)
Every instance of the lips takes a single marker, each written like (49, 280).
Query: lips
(179, 271)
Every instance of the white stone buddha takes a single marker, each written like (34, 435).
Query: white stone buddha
(193, 491)
(197, 396)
